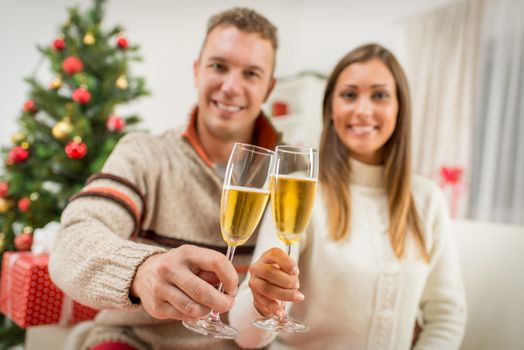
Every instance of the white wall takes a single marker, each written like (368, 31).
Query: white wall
(313, 35)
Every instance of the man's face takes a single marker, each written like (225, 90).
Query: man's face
(233, 76)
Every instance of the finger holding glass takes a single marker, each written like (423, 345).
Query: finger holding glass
(245, 193)
(293, 187)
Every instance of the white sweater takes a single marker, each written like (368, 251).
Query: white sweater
(358, 294)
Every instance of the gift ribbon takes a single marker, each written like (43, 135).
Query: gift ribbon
(12, 259)
(43, 238)
(66, 312)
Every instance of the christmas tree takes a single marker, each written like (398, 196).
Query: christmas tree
(67, 128)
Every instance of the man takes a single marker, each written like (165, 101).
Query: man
(158, 192)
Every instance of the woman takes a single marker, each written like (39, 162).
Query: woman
(378, 250)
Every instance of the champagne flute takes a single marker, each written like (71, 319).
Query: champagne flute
(293, 187)
(245, 193)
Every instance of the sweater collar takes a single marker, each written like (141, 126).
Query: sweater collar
(366, 175)
(265, 135)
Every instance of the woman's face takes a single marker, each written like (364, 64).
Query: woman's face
(365, 109)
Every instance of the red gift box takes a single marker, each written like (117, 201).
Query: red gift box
(29, 298)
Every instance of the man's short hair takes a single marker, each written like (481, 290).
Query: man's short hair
(245, 20)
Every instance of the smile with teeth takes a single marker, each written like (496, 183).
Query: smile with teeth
(228, 108)
(362, 129)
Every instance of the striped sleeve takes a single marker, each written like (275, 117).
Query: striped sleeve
(119, 191)
(93, 260)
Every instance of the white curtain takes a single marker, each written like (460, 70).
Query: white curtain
(497, 184)
(442, 47)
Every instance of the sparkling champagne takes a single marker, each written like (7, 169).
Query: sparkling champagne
(240, 211)
(292, 201)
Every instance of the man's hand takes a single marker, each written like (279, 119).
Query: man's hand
(274, 277)
(175, 284)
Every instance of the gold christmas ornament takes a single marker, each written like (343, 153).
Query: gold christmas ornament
(5, 205)
(27, 229)
(121, 82)
(62, 129)
(2, 242)
(25, 145)
(34, 196)
(18, 137)
(56, 83)
(89, 39)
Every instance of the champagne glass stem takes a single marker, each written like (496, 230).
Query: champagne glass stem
(229, 255)
(283, 303)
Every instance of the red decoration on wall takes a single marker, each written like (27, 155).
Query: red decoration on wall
(280, 108)
(451, 176)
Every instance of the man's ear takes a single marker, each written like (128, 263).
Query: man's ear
(271, 87)
(196, 67)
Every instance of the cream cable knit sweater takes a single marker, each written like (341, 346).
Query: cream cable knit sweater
(358, 295)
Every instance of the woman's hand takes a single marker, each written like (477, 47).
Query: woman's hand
(274, 277)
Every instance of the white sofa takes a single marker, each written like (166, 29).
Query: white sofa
(492, 258)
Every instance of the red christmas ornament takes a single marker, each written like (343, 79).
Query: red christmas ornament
(30, 107)
(17, 155)
(72, 65)
(81, 95)
(23, 241)
(59, 44)
(76, 150)
(24, 204)
(115, 123)
(4, 189)
(122, 42)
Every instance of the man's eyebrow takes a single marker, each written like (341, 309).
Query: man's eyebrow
(217, 58)
(223, 60)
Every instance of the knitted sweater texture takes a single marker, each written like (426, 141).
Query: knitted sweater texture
(158, 192)
(358, 294)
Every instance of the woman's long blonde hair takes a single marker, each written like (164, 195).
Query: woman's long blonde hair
(334, 157)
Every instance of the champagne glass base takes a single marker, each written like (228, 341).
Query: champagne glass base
(212, 328)
(281, 325)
